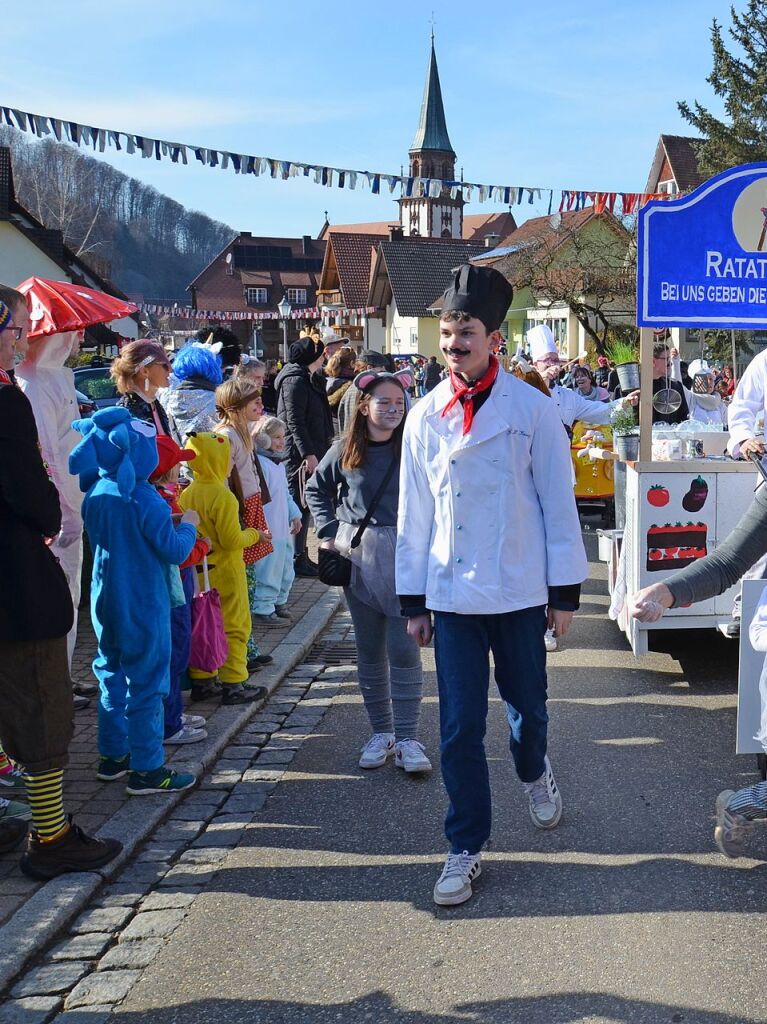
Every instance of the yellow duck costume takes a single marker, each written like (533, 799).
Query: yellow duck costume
(219, 515)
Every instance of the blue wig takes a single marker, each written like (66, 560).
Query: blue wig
(197, 360)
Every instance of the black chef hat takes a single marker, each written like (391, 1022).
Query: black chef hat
(481, 292)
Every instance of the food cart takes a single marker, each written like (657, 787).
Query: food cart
(701, 263)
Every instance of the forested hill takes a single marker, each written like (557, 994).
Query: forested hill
(144, 241)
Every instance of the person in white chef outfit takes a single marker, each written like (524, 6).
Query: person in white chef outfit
(489, 545)
(571, 405)
(50, 387)
(748, 404)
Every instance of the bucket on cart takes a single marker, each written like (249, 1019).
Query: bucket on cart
(628, 376)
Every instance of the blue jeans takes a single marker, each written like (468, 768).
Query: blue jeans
(462, 647)
(181, 643)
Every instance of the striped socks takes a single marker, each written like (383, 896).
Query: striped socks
(45, 793)
(5, 764)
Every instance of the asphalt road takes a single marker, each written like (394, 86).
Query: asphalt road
(625, 913)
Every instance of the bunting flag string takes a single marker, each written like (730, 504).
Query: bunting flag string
(98, 139)
(190, 313)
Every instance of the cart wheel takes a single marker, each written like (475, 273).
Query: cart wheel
(761, 760)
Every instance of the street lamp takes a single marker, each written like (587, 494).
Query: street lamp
(285, 309)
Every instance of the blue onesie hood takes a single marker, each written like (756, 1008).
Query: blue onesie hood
(117, 446)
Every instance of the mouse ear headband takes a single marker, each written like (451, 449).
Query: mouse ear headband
(367, 378)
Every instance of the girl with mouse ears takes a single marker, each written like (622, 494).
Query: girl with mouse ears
(356, 481)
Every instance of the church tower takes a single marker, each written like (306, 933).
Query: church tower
(431, 156)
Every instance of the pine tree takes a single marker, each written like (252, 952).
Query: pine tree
(741, 81)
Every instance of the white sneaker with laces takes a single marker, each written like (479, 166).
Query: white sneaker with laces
(454, 884)
(411, 755)
(731, 829)
(377, 750)
(550, 640)
(186, 734)
(194, 721)
(544, 799)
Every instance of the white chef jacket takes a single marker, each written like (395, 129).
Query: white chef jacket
(573, 406)
(487, 521)
(747, 402)
(50, 387)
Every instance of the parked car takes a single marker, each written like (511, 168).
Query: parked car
(86, 406)
(96, 384)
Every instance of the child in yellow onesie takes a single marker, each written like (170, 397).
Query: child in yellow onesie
(218, 510)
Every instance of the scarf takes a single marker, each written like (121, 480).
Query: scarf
(463, 392)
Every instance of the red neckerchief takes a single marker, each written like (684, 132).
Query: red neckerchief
(466, 392)
(4, 378)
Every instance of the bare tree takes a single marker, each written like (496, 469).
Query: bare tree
(584, 261)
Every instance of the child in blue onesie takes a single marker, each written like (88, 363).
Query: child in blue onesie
(134, 545)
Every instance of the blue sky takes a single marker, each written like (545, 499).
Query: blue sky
(549, 94)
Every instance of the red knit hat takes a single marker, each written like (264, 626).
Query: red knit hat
(170, 455)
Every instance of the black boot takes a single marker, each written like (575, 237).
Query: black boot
(304, 568)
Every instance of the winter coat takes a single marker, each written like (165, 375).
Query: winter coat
(143, 410)
(302, 404)
(35, 603)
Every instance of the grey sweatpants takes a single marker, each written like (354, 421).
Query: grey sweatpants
(388, 668)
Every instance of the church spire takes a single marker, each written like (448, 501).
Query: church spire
(432, 129)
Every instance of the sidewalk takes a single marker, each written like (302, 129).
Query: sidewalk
(31, 912)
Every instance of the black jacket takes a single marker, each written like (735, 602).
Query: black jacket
(141, 409)
(302, 404)
(35, 603)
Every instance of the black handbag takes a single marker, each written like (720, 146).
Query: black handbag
(335, 569)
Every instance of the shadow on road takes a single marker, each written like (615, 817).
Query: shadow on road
(563, 1008)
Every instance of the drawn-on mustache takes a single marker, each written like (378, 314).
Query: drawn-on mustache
(457, 351)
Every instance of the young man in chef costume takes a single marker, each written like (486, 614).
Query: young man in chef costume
(489, 545)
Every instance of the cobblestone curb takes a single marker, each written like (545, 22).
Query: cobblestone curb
(49, 910)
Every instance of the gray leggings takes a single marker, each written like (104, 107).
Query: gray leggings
(388, 669)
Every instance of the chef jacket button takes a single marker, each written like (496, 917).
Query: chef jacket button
(458, 494)
(459, 527)
(459, 559)
(452, 462)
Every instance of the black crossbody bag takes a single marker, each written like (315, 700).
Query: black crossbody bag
(335, 569)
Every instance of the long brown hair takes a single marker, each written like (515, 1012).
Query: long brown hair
(231, 398)
(357, 438)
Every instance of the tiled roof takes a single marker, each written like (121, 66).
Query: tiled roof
(684, 163)
(477, 225)
(380, 227)
(352, 254)
(419, 269)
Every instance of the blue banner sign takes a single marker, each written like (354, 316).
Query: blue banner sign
(702, 259)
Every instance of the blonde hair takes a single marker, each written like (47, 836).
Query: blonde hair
(266, 428)
(231, 398)
(341, 360)
(125, 366)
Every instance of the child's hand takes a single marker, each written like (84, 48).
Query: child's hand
(295, 526)
(265, 534)
(190, 516)
(208, 543)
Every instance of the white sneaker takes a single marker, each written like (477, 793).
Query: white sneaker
(454, 884)
(411, 755)
(550, 640)
(544, 799)
(187, 734)
(194, 721)
(377, 750)
(731, 829)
